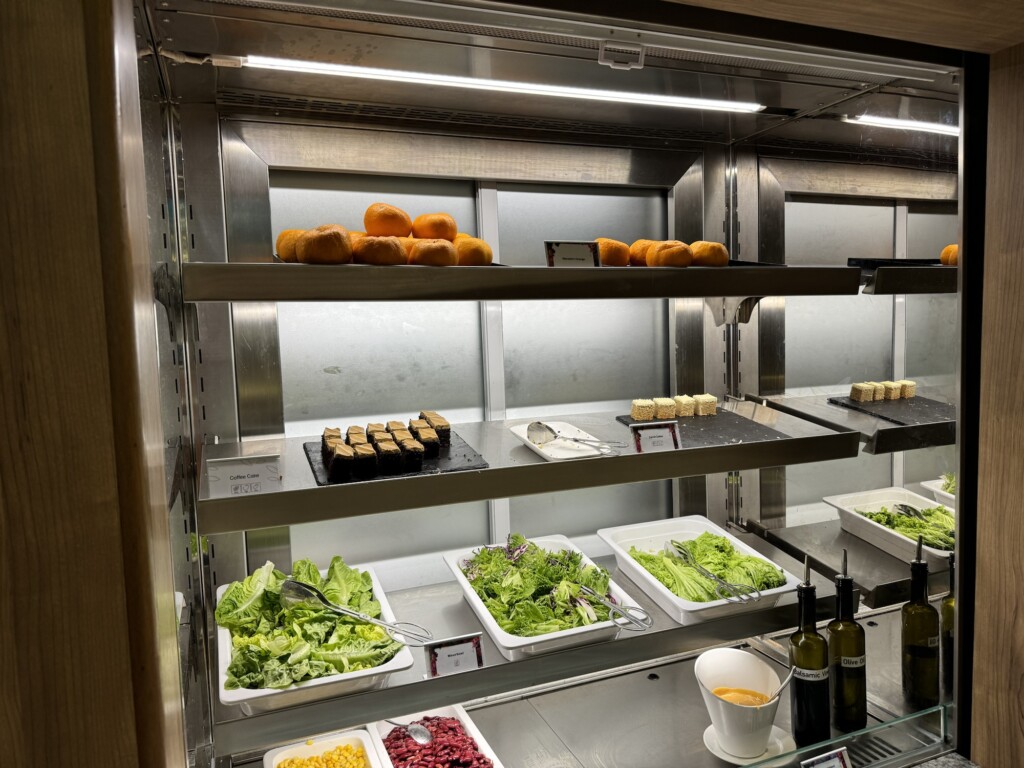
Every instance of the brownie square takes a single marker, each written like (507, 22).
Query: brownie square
(412, 455)
(441, 426)
(393, 426)
(357, 438)
(401, 434)
(374, 427)
(430, 441)
(389, 457)
(331, 433)
(415, 424)
(365, 464)
(342, 458)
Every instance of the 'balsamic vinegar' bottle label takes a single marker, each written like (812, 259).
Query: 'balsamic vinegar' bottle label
(810, 675)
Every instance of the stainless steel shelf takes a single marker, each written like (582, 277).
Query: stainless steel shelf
(303, 282)
(878, 435)
(514, 469)
(443, 608)
(898, 279)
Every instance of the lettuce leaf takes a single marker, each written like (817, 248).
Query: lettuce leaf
(246, 604)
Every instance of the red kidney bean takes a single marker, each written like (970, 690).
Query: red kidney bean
(451, 747)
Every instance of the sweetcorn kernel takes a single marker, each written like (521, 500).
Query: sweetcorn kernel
(342, 756)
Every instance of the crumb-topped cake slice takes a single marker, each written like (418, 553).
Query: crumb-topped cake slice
(664, 408)
(862, 392)
(642, 410)
(892, 390)
(684, 405)
(705, 405)
(908, 388)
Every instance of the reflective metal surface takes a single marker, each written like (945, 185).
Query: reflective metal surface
(514, 470)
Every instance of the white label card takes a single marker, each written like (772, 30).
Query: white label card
(244, 476)
(652, 438)
(579, 254)
(836, 759)
(454, 654)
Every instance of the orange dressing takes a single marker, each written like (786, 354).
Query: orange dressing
(741, 696)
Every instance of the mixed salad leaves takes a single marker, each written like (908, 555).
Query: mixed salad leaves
(717, 555)
(274, 646)
(949, 483)
(938, 529)
(530, 591)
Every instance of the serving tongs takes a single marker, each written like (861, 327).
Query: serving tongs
(295, 592)
(724, 590)
(636, 618)
(539, 433)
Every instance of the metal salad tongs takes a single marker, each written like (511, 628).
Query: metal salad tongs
(636, 618)
(293, 592)
(725, 590)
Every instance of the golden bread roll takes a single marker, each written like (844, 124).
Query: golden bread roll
(285, 246)
(708, 254)
(670, 253)
(435, 226)
(950, 254)
(383, 220)
(433, 252)
(473, 252)
(328, 244)
(612, 252)
(638, 252)
(379, 250)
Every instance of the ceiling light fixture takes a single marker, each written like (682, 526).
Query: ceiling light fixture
(907, 125)
(501, 86)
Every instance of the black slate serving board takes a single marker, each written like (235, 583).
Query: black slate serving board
(457, 457)
(727, 428)
(916, 410)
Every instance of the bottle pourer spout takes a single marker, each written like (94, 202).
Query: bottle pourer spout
(844, 563)
(920, 545)
(807, 569)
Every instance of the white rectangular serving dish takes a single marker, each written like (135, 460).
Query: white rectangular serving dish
(356, 738)
(558, 449)
(380, 729)
(652, 537)
(253, 701)
(935, 487)
(514, 647)
(878, 535)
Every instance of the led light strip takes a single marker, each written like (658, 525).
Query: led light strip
(501, 86)
(907, 125)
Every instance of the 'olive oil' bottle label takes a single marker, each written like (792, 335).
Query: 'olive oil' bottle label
(853, 662)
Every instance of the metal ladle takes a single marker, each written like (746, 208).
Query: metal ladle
(294, 592)
(417, 732)
(540, 433)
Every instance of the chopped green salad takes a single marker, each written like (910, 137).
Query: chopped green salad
(274, 646)
(949, 483)
(530, 591)
(937, 528)
(717, 555)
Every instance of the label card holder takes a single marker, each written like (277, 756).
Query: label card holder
(243, 476)
(655, 436)
(838, 758)
(454, 654)
(579, 253)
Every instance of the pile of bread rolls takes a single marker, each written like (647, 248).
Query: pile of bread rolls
(950, 255)
(661, 253)
(389, 237)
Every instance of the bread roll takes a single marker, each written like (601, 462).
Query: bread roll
(612, 252)
(435, 226)
(328, 244)
(708, 254)
(383, 220)
(473, 252)
(950, 255)
(285, 245)
(638, 252)
(434, 253)
(379, 250)
(670, 253)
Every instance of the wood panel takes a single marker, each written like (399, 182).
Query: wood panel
(985, 26)
(82, 667)
(998, 686)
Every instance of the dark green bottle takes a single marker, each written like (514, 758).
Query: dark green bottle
(920, 624)
(947, 615)
(846, 647)
(808, 655)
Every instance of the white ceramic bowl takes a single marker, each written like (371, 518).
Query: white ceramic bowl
(742, 731)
